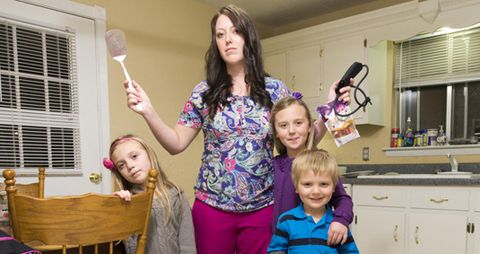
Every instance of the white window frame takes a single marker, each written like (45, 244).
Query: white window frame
(432, 150)
(98, 16)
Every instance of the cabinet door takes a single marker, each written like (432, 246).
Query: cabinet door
(304, 71)
(338, 55)
(378, 231)
(437, 233)
(276, 66)
(475, 235)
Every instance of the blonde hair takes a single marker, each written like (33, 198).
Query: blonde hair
(318, 161)
(280, 105)
(163, 185)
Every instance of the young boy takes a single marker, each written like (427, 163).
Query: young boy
(304, 229)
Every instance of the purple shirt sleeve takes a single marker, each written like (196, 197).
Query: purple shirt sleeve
(342, 204)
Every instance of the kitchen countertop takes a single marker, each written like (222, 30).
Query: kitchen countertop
(412, 181)
(413, 169)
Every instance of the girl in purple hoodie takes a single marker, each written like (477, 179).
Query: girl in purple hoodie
(292, 126)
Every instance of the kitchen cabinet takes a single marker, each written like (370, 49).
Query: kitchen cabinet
(304, 71)
(301, 70)
(339, 54)
(312, 69)
(474, 226)
(438, 218)
(387, 235)
(276, 66)
(413, 219)
(437, 233)
(343, 41)
(379, 219)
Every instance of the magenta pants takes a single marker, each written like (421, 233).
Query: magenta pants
(222, 232)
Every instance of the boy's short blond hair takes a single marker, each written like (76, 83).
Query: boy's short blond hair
(319, 161)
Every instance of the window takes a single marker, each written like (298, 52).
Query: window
(38, 98)
(54, 94)
(437, 82)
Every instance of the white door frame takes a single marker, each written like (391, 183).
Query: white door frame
(55, 184)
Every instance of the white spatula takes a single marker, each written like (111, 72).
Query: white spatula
(117, 46)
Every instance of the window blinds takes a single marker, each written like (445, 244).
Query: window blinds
(440, 59)
(39, 116)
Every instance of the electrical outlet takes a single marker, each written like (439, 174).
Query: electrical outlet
(366, 153)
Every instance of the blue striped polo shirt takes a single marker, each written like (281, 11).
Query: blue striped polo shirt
(297, 232)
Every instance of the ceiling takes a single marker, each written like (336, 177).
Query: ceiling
(276, 14)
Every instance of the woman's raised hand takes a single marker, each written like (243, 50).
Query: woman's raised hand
(344, 92)
(137, 96)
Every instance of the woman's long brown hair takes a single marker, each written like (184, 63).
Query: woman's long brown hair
(218, 79)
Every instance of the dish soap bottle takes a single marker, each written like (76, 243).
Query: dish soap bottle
(442, 137)
(408, 138)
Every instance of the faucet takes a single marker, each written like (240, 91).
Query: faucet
(454, 168)
(453, 163)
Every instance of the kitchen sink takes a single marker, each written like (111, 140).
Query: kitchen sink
(422, 176)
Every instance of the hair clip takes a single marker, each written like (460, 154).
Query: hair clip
(108, 163)
(297, 95)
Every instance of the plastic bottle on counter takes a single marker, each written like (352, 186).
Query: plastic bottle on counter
(418, 138)
(442, 137)
(400, 140)
(424, 137)
(394, 137)
(408, 138)
(432, 136)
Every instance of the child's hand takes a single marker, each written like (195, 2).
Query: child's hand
(344, 92)
(337, 233)
(124, 194)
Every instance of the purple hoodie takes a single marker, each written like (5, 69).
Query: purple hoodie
(285, 197)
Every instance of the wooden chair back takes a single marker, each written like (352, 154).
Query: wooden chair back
(82, 220)
(32, 189)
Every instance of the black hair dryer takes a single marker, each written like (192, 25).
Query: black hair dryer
(352, 72)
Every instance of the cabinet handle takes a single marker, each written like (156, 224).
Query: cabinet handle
(438, 201)
(416, 235)
(380, 197)
(395, 233)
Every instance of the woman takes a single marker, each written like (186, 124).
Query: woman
(232, 211)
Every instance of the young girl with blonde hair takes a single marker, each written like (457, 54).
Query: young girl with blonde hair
(170, 227)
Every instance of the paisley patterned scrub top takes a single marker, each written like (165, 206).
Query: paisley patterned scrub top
(236, 173)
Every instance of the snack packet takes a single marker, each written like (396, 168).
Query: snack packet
(342, 128)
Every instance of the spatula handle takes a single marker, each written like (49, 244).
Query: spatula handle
(139, 106)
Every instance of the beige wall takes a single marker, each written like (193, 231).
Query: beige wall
(166, 42)
(166, 45)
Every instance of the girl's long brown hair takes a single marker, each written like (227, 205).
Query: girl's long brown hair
(218, 79)
(163, 185)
